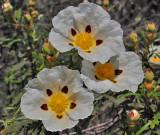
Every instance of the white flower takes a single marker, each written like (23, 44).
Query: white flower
(87, 28)
(57, 98)
(119, 73)
(154, 61)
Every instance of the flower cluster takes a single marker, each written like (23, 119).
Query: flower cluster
(57, 96)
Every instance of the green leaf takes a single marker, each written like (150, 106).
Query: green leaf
(142, 34)
(113, 6)
(16, 126)
(143, 128)
(129, 94)
(18, 13)
(127, 44)
(37, 57)
(17, 66)
(10, 108)
(12, 42)
(156, 120)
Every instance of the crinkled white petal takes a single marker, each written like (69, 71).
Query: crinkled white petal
(84, 101)
(60, 42)
(31, 103)
(130, 78)
(55, 124)
(102, 28)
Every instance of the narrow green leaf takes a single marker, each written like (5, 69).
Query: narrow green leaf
(10, 108)
(127, 44)
(130, 94)
(143, 128)
(37, 57)
(142, 34)
(12, 42)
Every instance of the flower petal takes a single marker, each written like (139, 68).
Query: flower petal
(55, 124)
(60, 42)
(31, 103)
(132, 74)
(84, 101)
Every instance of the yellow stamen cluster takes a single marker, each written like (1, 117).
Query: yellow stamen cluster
(85, 41)
(105, 71)
(58, 103)
(155, 59)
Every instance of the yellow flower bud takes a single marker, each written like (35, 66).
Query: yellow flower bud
(106, 2)
(149, 76)
(85, 1)
(133, 37)
(149, 86)
(34, 14)
(133, 115)
(32, 3)
(27, 17)
(151, 27)
(48, 48)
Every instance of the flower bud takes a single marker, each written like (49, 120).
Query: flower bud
(149, 76)
(106, 2)
(28, 27)
(149, 86)
(85, 1)
(48, 48)
(31, 3)
(27, 17)
(133, 37)
(34, 14)
(151, 36)
(151, 27)
(133, 115)
(7, 7)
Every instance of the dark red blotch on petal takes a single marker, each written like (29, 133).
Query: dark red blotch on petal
(118, 72)
(96, 77)
(65, 89)
(94, 63)
(49, 92)
(59, 116)
(44, 107)
(70, 44)
(73, 105)
(73, 32)
(88, 29)
(88, 51)
(98, 42)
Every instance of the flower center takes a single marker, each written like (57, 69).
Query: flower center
(155, 59)
(58, 103)
(85, 41)
(105, 71)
